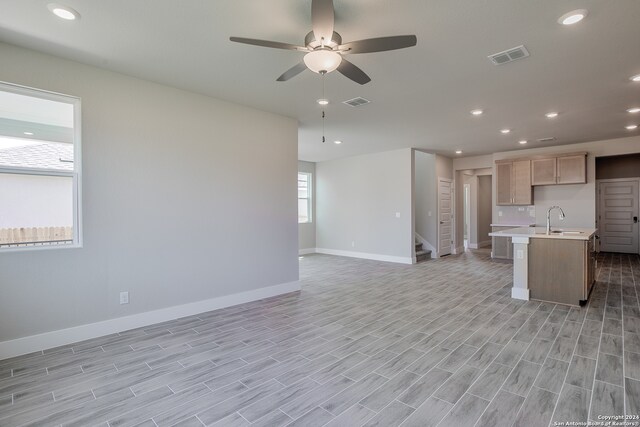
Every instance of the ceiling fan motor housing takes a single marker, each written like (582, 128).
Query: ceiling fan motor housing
(311, 42)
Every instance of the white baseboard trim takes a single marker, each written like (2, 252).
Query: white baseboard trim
(458, 250)
(307, 251)
(364, 255)
(520, 293)
(480, 244)
(60, 337)
(484, 244)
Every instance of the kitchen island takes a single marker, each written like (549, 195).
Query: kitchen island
(556, 266)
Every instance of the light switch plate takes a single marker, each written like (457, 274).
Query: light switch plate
(124, 297)
(397, 214)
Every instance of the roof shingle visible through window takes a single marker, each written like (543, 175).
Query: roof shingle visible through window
(44, 155)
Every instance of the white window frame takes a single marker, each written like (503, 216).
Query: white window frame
(309, 197)
(75, 174)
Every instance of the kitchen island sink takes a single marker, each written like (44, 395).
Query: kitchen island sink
(558, 266)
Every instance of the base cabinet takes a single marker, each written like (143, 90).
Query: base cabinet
(561, 270)
(501, 247)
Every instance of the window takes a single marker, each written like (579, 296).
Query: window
(304, 197)
(39, 169)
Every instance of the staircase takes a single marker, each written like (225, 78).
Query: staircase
(421, 253)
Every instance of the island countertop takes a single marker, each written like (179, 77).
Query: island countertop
(570, 233)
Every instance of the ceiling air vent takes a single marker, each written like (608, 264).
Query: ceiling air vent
(548, 139)
(509, 55)
(356, 102)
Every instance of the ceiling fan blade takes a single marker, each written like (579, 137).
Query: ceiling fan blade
(379, 44)
(322, 19)
(292, 72)
(267, 43)
(354, 73)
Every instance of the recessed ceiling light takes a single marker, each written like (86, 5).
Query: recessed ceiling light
(551, 115)
(322, 101)
(633, 110)
(476, 112)
(573, 17)
(635, 78)
(458, 151)
(28, 133)
(505, 131)
(64, 12)
(337, 142)
(522, 142)
(632, 127)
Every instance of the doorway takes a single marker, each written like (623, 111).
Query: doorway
(617, 203)
(618, 215)
(467, 214)
(444, 217)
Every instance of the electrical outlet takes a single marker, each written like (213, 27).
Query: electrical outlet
(429, 213)
(353, 243)
(397, 214)
(124, 297)
(499, 213)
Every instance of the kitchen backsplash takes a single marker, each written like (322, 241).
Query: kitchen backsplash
(516, 215)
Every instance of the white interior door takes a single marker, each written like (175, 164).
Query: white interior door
(444, 216)
(618, 216)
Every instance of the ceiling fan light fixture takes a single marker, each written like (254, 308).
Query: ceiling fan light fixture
(322, 61)
(323, 101)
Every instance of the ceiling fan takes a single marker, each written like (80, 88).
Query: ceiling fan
(324, 48)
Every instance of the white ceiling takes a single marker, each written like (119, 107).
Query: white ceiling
(421, 96)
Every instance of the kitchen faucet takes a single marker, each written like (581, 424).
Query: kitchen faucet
(562, 216)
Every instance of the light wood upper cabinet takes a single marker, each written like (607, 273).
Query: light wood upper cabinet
(543, 171)
(503, 183)
(569, 169)
(513, 183)
(572, 169)
(522, 191)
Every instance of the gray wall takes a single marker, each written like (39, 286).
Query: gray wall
(357, 200)
(307, 232)
(183, 201)
(426, 187)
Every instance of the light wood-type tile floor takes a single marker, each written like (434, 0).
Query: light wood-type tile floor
(364, 344)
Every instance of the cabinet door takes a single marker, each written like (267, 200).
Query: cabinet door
(504, 195)
(522, 194)
(572, 169)
(543, 171)
(501, 247)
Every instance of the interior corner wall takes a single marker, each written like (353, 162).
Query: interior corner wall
(426, 204)
(307, 231)
(444, 167)
(356, 205)
(176, 186)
